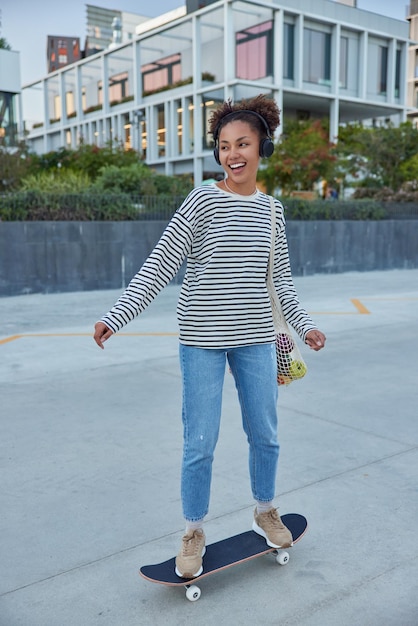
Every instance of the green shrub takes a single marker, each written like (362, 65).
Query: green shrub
(41, 206)
(126, 179)
(299, 209)
(65, 181)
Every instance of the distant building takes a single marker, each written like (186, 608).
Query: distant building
(155, 92)
(61, 51)
(413, 63)
(105, 27)
(9, 97)
(101, 32)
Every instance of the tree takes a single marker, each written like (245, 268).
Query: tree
(302, 157)
(409, 169)
(14, 165)
(4, 45)
(87, 158)
(378, 155)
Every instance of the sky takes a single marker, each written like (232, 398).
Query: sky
(25, 24)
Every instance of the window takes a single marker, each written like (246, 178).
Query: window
(179, 119)
(69, 103)
(398, 73)
(127, 129)
(316, 56)
(139, 127)
(289, 51)
(343, 62)
(8, 126)
(162, 73)
(209, 104)
(382, 69)
(118, 87)
(62, 52)
(254, 52)
(161, 131)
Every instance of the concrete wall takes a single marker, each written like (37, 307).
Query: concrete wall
(48, 257)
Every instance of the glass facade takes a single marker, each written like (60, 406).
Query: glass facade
(254, 52)
(316, 56)
(383, 70)
(344, 46)
(8, 120)
(289, 51)
(161, 73)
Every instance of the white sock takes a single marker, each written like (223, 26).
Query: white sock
(195, 525)
(263, 507)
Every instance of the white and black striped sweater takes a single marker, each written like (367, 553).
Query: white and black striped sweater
(224, 301)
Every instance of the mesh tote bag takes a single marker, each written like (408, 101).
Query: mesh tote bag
(290, 363)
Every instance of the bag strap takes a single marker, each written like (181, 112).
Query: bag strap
(273, 238)
(276, 306)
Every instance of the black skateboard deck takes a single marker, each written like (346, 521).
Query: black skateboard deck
(224, 554)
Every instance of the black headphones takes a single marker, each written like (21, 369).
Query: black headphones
(266, 148)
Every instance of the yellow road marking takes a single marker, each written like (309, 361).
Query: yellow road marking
(360, 307)
(13, 337)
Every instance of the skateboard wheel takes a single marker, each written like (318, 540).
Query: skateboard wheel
(193, 593)
(282, 558)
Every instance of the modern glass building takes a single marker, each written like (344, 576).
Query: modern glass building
(155, 93)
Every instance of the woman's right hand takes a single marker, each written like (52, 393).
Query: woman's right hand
(101, 334)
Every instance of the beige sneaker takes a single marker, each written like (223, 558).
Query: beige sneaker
(189, 559)
(270, 526)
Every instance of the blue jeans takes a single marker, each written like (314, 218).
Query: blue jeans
(203, 372)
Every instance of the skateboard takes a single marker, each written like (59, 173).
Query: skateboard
(223, 554)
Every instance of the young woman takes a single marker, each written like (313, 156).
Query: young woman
(224, 314)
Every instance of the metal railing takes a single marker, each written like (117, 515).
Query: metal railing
(37, 206)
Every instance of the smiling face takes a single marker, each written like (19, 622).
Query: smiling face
(239, 155)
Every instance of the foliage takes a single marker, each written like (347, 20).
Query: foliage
(141, 180)
(65, 181)
(14, 165)
(128, 178)
(407, 193)
(375, 157)
(409, 168)
(39, 206)
(385, 156)
(299, 209)
(302, 157)
(87, 158)
(4, 45)
(111, 168)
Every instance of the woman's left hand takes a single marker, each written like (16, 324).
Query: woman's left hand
(315, 339)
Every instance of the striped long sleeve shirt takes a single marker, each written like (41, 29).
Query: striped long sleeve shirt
(224, 301)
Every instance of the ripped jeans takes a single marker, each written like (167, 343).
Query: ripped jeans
(203, 372)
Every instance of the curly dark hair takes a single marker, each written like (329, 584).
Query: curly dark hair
(261, 104)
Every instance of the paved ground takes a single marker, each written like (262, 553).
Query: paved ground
(90, 445)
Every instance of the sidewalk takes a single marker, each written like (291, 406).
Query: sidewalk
(90, 448)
